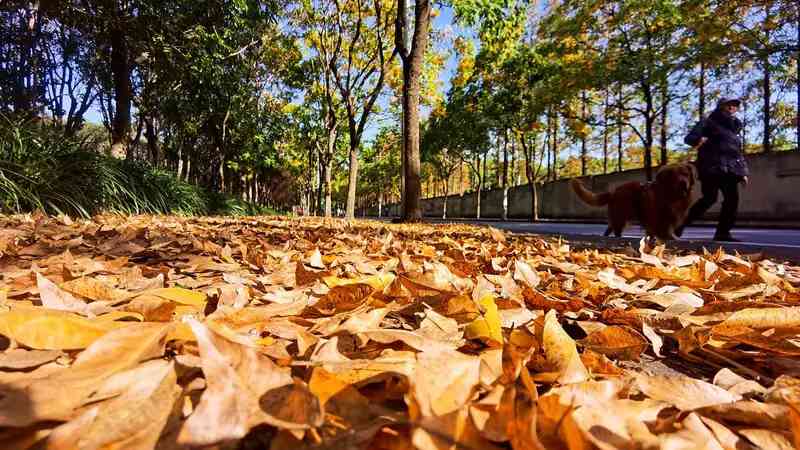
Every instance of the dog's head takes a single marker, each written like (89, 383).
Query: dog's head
(677, 179)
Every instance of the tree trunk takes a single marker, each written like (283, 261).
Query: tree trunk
(444, 201)
(767, 87)
(584, 152)
(619, 131)
(319, 206)
(605, 133)
(152, 141)
(767, 115)
(514, 172)
(412, 67)
(221, 174)
(180, 162)
(649, 119)
(504, 181)
(461, 178)
(663, 130)
(478, 198)
(352, 181)
(123, 94)
(529, 154)
(701, 107)
(327, 190)
(554, 148)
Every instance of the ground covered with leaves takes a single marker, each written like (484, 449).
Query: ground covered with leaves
(165, 332)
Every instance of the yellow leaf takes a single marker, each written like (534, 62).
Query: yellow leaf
(117, 315)
(177, 295)
(561, 351)
(47, 329)
(266, 341)
(378, 282)
(487, 326)
(181, 332)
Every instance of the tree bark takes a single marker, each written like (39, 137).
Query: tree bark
(584, 152)
(605, 132)
(619, 131)
(412, 67)
(444, 200)
(663, 129)
(123, 93)
(767, 88)
(701, 107)
(529, 154)
(649, 119)
(504, 181)
(767, 115)
(328, 191)
(152, 141)
(554, 147)
(352, 181)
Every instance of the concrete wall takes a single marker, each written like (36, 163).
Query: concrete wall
(772, 196)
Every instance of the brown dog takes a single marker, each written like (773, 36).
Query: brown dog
(660, 206)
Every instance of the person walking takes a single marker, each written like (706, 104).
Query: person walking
(720, 165)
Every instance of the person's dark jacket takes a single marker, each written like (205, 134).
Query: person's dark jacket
(722, 153)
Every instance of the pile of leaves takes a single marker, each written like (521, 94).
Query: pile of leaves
(168, 332)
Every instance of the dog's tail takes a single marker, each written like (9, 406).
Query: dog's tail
(588, 196)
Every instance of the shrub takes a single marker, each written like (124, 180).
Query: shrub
(40, 169)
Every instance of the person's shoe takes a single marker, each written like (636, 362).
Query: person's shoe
(679, 231)
(725, 238)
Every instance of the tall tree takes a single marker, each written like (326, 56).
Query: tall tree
(359, 70)
(412, 60)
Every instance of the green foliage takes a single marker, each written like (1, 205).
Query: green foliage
(41, 170)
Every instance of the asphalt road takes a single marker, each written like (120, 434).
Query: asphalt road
(774, 242)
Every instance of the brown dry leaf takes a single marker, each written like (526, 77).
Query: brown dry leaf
(438, 395)
(94, 289)
(492, 414)
(360, 418)
(53, 297)
(438, 327)
(765, 318)
(794, 418)
(309, 333)
(616, 342)
(18, 359)
(767, 439)
(561, 351)
(555, 425)
(344, 298)
(132, 420)
(685, 393)
(450, 431)
(241, 383)
(54, 396)
(523, 272)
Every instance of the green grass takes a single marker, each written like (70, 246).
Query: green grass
(42, 170)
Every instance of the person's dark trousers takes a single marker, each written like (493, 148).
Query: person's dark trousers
(710, 186)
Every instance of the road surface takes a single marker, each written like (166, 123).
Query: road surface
(774, 242)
